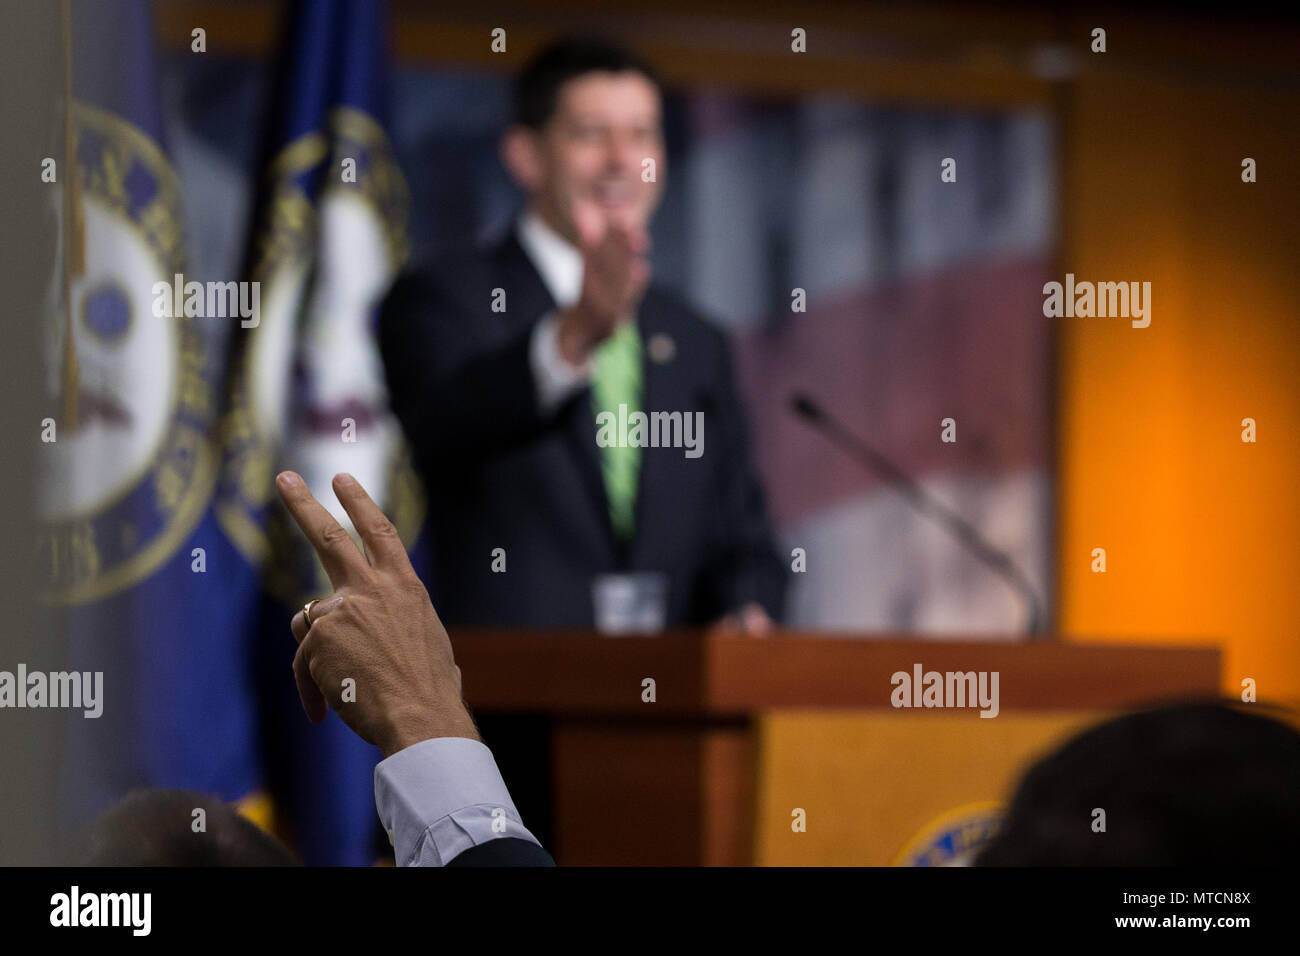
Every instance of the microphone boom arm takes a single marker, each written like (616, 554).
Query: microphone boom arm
(922, 501)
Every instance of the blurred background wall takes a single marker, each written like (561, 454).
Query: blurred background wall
(1201, 530)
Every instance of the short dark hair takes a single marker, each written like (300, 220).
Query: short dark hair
(537, 87)
(155, 828)
(1211, 783)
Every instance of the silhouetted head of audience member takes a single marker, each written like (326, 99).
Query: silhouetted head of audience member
(158, 828)
(1189, 784)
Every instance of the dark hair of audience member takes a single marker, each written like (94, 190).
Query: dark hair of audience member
(1187, 784)
(156, 828)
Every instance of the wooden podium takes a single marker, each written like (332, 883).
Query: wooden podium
(673, 781)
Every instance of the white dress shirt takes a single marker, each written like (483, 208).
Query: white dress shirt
(560, 265)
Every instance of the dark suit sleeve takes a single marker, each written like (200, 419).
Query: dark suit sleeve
(747, 566)
(459, 382)
(505, 851)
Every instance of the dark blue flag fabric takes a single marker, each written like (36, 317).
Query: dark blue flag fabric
(308, 388)
(158, 603)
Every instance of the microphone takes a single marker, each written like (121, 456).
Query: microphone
(969, 538)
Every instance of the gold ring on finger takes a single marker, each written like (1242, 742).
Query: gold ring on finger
(306, 610)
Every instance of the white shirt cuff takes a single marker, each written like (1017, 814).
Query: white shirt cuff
(440, 797)
(556, 379)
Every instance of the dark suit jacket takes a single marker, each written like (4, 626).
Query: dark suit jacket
(503, 851)
(499, 474)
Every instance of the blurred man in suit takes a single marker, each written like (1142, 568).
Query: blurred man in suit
(500, 360)
(500, 363)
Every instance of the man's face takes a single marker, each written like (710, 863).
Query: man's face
(589, 158)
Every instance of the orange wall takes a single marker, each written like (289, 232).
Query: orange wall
(1201, 531)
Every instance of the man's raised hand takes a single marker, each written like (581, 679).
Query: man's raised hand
(378, 629)
(615, 274)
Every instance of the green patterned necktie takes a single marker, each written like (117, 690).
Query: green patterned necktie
(616, 380)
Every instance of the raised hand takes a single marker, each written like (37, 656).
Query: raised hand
(616, 272)
(378, 629)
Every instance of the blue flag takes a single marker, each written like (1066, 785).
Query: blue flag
(158, 602)
(309, 391)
